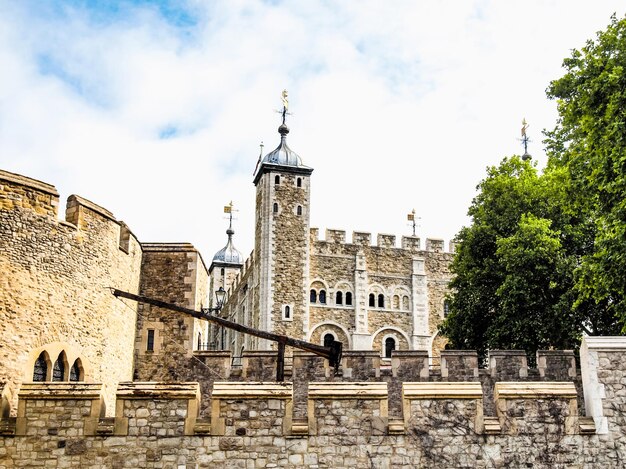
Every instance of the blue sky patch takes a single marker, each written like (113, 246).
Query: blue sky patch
(50, 66)
(175, 12)
(167, 132)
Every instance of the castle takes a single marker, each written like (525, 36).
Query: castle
(380, 297)
(91, 380)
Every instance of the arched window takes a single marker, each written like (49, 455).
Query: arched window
(446, 308)
(41, 368)
(287, 312)
(405, 303)
(328, 340)
(275, 207)
(76, 373)
(390, 346)
(396, 302)
(299, 210)
(313, 298)
(323, 297)
(381, 300)
(276, 179)
(339, 298)
(372, 300)
(349, 298)
(222, 271)
(58, 370)
(299, 182)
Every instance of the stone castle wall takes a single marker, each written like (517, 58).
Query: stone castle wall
(55, 277)
(343, 424)
(361, 269)
(176, 274)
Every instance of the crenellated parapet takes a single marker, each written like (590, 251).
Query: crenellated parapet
(35, 198)
(263, 408)
(344, 422)
(364, 239)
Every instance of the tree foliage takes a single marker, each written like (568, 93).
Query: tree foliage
(544, 259)
(589, 142)
(514, 264)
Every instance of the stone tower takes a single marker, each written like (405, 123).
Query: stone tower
(282, 240)
(225, 266)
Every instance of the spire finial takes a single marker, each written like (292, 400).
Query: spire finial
(285, 104)
(525, 140)
(283, 130)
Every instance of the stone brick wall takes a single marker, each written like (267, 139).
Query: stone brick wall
(385, 270)
(173, 273)
(346, 424)
(55, 277)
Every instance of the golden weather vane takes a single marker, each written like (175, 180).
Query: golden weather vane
(413, 219)
(229, 209)
(285, 101)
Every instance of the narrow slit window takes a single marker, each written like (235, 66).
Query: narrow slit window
(299, 210)
(277, 180)
(299, 182)
(275, 207)
(150, 344)
(287, 312)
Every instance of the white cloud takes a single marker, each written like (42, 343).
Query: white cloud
(395, 107)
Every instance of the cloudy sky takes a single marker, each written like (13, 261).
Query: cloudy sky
(156, 109)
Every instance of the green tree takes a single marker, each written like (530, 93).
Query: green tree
(544, 259)
(589, 143)
(514, 265)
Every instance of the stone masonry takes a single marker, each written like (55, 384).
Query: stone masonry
(347, 424)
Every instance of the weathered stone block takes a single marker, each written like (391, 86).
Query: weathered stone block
(548, 408)
(151, 409)
(459, 365)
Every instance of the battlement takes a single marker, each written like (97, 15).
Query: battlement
(19, 192)
(359, 238)
(344, 422)
(254, 409)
